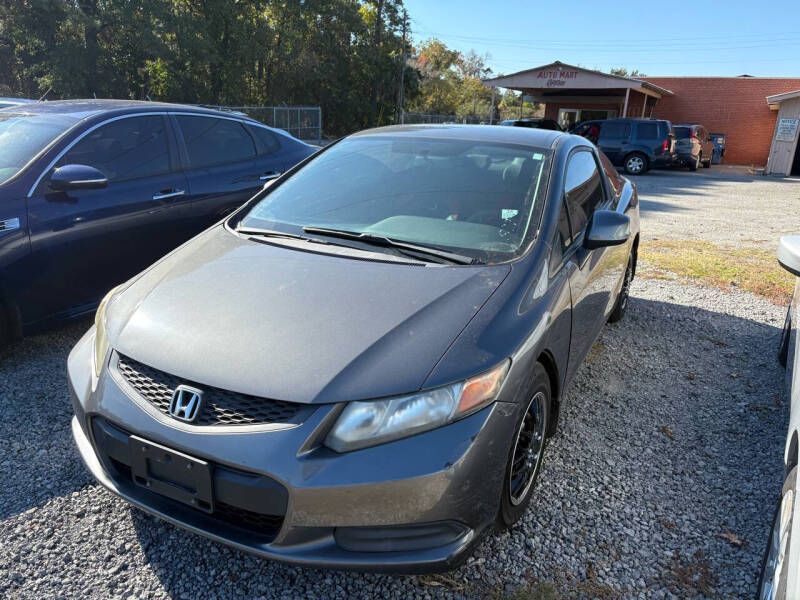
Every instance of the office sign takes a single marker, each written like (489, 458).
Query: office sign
(787, 130)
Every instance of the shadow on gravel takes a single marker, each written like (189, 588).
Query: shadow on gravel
(670, 436)
(37, 458)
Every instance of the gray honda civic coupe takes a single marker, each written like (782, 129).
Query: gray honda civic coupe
(360, 368)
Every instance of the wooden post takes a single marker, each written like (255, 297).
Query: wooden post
(625, 108)
(491, 109)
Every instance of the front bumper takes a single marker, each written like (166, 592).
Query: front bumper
(434, 493)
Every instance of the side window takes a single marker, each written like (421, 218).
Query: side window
(124, 149)
(647, 131)
(583, 189)
(211, 141)
(266, 141)
(615, 131)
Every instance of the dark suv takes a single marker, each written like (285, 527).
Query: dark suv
(693, 145)
(637, 145)
(535, 123)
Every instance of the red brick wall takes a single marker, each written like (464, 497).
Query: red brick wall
(735, 106)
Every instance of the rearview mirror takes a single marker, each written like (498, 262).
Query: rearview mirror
(607, 228)
(77, 177)
(789, 253)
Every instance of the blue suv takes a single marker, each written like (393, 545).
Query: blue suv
(92, 192)
(637, 145)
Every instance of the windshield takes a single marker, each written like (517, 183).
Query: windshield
(471, 197)
(23, 136)
(682, 132)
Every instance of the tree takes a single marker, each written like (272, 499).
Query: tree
(623, 72)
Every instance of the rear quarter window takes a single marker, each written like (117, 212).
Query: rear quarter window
(647, 131)
(682, 132)
(615, 130)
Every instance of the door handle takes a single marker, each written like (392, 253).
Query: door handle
(167, 194)
(270, 175)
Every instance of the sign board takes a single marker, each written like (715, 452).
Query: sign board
(556, 78)
(786, 130)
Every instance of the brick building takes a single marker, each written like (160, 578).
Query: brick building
(735, 106)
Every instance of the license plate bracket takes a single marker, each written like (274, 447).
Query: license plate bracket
(171, 473)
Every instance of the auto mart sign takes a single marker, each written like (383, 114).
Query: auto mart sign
(556, 78)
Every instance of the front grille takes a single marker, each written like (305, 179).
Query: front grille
(220, 407)
(247, 519)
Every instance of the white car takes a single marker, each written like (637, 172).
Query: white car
(780, 570)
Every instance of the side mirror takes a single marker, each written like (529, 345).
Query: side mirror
(789, 253)
(607, 228)
(77, 177)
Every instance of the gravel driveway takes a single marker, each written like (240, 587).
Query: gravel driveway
(671, 438)
(724, 205)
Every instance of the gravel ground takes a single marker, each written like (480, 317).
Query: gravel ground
(724, 205)
(671, 436)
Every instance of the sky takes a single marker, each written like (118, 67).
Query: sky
(709, 37)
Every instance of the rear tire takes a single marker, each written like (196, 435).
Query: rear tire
(635, 163)
(707, 164)
(526, 453)
(693, 165)
(622, 299)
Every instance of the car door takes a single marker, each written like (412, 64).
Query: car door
(613, 140)
(594, 274)
(85, 241)
(219, 156)
(271, 158)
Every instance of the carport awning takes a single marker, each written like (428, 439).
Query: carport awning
(560, 78)
(774, 101)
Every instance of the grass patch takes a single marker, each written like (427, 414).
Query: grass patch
(754, 270)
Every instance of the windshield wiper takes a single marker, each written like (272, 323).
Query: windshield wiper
(406, 247)
(277, 234)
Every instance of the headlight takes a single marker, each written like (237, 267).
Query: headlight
(100, 338)
(369, 423)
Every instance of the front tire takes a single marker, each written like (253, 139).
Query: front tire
(526, 453)
(622, 299)
(635, 163)
(775, 563)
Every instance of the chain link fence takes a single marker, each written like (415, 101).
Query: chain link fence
(415, 118)
(303, 122)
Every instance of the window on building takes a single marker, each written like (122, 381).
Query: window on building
(211, 141)
(124, 149)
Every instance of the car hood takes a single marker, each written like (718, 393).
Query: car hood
(281, 323)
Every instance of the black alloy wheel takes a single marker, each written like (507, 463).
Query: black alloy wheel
(527, 452)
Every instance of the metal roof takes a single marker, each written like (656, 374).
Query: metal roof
(498, 81)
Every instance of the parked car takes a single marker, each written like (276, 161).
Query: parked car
(92, 192)
(637, 145)
(360, 368)
(780, 567)
(693, 146)
(534, 123)
(9, 102)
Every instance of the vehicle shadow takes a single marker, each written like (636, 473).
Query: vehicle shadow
(671, 434)
(37, 458)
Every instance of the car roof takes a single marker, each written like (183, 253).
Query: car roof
(82, 109)
(543, 138)
(16, 100)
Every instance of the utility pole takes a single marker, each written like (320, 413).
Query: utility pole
(402, 71)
